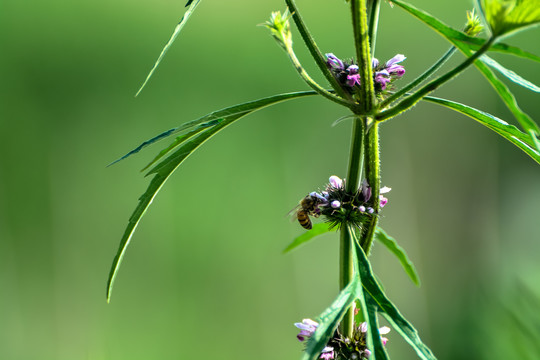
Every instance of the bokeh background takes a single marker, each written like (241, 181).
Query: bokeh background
(204, 277)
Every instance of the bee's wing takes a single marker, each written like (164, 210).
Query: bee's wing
(292, 213)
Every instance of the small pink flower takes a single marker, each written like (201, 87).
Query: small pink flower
(367, 353)
(336, 182)
(383, 331)
(327, 353)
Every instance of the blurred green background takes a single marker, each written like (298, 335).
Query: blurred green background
(204, 276)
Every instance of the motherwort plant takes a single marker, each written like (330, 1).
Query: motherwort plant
(373, 91)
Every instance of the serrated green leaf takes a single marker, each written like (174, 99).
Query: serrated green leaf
(316, 230)
(508, 16)
(329, 321)
(509, 132)
(509, 73)
(392, 245)
(526, 122)
(192, 5)
(164, 169)
(386, 307)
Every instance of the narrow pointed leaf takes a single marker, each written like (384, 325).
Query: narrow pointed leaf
(329, 321)
(392, 245)
(509, 132)
(164, 169)
(526, 122)
(192, 5)
(369, 310)
(373, 323)
(318, 229)
(211, 118)
(179, 140)
(432, 21)
(387, 308)
(476, 43)
(509, 74)
(507, 97)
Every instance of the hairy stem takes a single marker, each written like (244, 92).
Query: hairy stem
(354, 173)
(314, 50)
(411, 100)
(361, 43)
(373, 176)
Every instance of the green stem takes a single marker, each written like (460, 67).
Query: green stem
(346, 260)
(361, 43)
(354, 172)
(346, 273)
(373, 19)
(355, 165)
(419, 79)
(373, 176)
(411, 100)
(314, 50)
(312, 82)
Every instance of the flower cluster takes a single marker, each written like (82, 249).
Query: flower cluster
(383, 75)
(341, 207)
(340, 347)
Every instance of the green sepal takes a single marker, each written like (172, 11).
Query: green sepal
(165, 168)
(316, 230)
(392, 245)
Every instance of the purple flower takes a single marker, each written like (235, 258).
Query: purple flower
(327, 353)
(374, 63)
(333, 62)
(396, 59)
(336, 182)
(394, 69)
(382, 78)
(353, 76)
(366, 190)
(335, 204)
(307, 328)
(382, 199)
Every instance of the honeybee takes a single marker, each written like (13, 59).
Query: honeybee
(307, 207)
